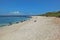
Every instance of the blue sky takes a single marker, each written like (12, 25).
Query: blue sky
(28, 7)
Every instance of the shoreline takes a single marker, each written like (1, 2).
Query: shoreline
(11, 23)
(37, 28)
(13, 27)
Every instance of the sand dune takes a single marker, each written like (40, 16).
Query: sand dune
(37, 28)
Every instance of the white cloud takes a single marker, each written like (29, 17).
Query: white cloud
(15, 13)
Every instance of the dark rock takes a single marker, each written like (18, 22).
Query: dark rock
(34, 20)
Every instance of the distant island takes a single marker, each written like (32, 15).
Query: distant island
(52, 14)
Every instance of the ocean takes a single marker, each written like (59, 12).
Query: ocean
(11, 20)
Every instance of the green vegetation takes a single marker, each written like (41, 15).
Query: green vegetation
(52, 14)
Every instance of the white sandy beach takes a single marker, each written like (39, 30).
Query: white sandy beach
(44, 28)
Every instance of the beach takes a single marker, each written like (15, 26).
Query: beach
(37, 28)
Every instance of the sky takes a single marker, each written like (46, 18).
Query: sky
(28, 7)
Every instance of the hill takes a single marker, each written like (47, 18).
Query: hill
(52, 14)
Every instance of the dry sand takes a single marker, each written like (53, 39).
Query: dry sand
(37, 28)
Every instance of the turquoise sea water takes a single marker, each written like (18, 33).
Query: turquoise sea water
(6, 20)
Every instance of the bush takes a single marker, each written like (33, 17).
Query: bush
(52, 14)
